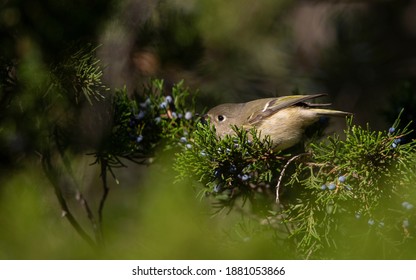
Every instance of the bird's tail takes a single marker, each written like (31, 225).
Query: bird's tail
(331, 113)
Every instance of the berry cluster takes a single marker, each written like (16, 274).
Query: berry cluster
(406, 205)
(372, 222)
(164, 116)
(231, 171)
(339, 183)
(396, 141)
(230, 167)
(142, 122)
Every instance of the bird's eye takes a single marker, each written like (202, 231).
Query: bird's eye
(221, 118)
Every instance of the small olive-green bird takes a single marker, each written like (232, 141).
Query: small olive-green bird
(284, 118)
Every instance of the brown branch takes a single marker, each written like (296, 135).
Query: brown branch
(52, 175)
(96, 227)
(106, 189)
(283, 173)
(79, 197)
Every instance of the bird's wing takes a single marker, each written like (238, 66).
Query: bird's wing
(276, 104)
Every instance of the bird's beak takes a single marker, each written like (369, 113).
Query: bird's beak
(204, 119)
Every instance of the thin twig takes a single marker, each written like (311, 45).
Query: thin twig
(283, 173)
(52, 175)
(106, 189)
(79, 196)
(96, 227)
(144, 160)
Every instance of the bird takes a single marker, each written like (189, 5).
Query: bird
(283, 118)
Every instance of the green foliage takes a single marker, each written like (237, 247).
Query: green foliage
(339, 192)
(231, 167)
(142, 123)
(362, 178)
(50, 95)
(81, 73)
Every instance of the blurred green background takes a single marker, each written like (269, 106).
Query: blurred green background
(359, 52)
